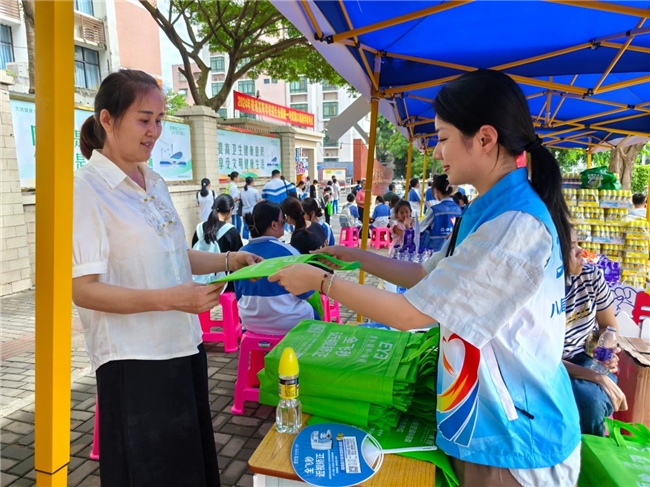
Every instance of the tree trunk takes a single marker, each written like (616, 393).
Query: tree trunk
(28, 11)
(622, 163)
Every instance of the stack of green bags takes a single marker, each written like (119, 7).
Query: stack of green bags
(360, 376)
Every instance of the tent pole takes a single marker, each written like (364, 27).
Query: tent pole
(424, 175)
(647, 209)
(370, 162)
(409, 160)
(588, 158)
(54, 177)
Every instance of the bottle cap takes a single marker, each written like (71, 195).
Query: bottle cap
(288, 363)
(611, 328)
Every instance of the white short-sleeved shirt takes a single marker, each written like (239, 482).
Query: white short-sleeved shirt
(134, 239)
(249, 199)
(336, 191)
(233, 191)
(205, 204)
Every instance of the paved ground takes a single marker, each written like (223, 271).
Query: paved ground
(236, 436)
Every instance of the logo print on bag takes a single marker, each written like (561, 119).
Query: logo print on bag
(459, 402)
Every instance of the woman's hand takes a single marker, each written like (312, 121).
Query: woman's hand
(614, 393)
(191, 297)
(298, 278)
(238, 260)
(341, 252)
(612, 363)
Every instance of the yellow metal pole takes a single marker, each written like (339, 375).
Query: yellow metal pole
(409, 160)
(588, 158)
(370, 162)
(54, 65)
(424, 176)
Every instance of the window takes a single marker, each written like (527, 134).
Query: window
(181, 77)
(6, 46)
(246, 115)
(242, 62)
(84, 6)
(327, 142)
(247, 87)
(298, 86)
(267, 81)
(330, 109)
(217, 64)
(274, 81)
(303, 107)
(216, 88)
(330, 159)
(329, 87)
(223, 113)
(86, 68)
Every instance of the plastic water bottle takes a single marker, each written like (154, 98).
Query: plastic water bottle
(288, 415)
(605, 350)
(395, 252)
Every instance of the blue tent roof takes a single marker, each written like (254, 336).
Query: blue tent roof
(542, 45)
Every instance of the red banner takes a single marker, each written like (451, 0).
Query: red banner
(255, 106)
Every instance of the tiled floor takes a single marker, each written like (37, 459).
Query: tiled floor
(236, 436)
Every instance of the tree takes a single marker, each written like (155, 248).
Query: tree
(28, 12)
(574, 160)
(175, 101)
(640, 179)
(253, 34)
(622, 162)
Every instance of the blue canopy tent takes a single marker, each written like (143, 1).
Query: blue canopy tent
(583, 65)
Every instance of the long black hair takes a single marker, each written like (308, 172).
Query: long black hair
(487, 97)
(293, 208)
(249, 181)
(441, 183)
(310, 205)
(205, 182)
(262, 217)
(224, 205)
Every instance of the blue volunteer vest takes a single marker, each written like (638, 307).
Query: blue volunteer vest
(510, 404)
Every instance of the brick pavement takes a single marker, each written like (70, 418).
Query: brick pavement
(236, 437)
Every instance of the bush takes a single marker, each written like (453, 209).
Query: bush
(640, 178)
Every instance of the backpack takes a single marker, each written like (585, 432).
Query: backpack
(213, 247)
(345, 217)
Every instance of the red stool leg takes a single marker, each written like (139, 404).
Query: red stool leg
(94, 453)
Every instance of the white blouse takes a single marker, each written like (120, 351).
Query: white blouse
(134, 239)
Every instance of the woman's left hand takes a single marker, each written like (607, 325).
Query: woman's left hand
(612, 363)
(298, 278)
(237, 260)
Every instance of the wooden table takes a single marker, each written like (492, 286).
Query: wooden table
(273, 458)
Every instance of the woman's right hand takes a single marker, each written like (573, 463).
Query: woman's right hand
(614, 392)
(194, 298)
(341, 252)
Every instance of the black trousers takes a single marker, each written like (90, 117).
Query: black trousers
(155, 427)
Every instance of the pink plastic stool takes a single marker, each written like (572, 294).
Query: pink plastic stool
(94, 452)
(380, 237)
(253, 348)
(641, 307)
(230, 324)
(349, 237)
(331, 312)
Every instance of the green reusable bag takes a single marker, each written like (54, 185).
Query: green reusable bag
(271, 266)
(616, 460)
(316, 303)
(599, 178)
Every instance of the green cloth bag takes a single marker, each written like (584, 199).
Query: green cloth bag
(616, 460)
(599, 178)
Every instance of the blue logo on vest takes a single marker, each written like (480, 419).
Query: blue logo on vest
(558, 307)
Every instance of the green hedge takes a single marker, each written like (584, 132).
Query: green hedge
(640, 178)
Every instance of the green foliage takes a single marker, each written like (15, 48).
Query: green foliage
(252, 34)
(640, 178)
(574, 161)
(175, 101)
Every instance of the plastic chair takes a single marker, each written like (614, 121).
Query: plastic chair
(94, 452)
(251, 360)
(380, 237)
(331, 312)
(230, 324)
(641, 307)
(349, 237)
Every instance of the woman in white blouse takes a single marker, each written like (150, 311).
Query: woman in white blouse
(132, 282)
(249, 197)
(233, 191)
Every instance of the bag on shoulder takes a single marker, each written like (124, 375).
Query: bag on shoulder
(345, 217)
(212, 247)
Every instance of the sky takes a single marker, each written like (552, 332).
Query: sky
(169, 55)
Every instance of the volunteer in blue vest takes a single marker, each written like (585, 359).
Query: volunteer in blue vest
(233, 191)
(505, 410)
(443, 214)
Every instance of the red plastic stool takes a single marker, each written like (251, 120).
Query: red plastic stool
(331, 312)
(253, 348)
(94, 452)
(380, 237)
(230, 324)
(349, 237)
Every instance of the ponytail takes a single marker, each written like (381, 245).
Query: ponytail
(91, 137)
(205, 182)
(249, 180)
(546, 179)
(293, 208)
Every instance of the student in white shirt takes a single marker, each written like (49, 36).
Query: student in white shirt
(249, 198)
(132, 282)
(233, 191)
(639, 202)
(336, 193)
(205, 199)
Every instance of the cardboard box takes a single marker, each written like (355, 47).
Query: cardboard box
(634, 380)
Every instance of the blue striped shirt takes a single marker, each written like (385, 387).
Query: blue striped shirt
(587, 294)
(276, 190)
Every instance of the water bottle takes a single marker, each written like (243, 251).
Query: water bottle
(395, 252)
(288, 415)
(605, 350)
